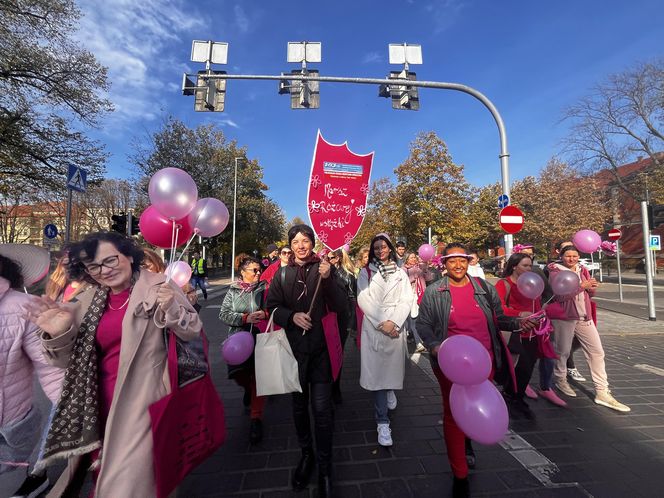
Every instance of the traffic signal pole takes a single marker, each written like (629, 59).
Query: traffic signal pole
(648, 260)
(504, 154)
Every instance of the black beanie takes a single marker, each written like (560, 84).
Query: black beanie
(304, 230)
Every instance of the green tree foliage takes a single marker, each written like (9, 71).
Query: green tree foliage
(383, 214)
(50, 88)
(209, 157)
(433, 192)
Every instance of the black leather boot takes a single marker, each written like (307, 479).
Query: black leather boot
(303, 470)
(460, 488)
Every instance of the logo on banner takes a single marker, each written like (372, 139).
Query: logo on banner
(338, 192)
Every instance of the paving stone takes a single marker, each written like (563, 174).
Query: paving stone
(400, 467)
(266, 479)
(389, 488)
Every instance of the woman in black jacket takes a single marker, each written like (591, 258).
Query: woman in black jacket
(292, 292)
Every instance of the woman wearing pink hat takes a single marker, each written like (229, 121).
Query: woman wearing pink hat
(20, 358)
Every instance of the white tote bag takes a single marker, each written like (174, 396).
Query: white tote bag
(276, 366)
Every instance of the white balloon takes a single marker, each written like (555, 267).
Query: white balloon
(179, 272)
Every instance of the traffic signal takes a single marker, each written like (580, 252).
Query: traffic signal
(655, 215)
(403, 97)
(210, 94)
(120, 224)
(304, 94)
(134, 229)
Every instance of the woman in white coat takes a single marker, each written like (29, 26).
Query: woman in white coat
(386, 297)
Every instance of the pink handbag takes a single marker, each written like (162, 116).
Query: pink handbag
(188, 425)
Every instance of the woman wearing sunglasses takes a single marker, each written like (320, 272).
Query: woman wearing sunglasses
(111, 339)
(242, 308)
(284, 256)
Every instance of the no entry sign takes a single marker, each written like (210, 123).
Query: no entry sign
(511, 219)
(614, 234)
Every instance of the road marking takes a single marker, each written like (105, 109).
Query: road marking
(650, 369)
(213, 306)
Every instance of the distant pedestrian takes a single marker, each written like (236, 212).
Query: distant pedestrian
(474, 268)
(386, 297)
(528, 346)
(400, 253)
(268, 273)
(458, 304)
(419, 276)
(362, 259)
(272, 255)
(291, 298)
(242, 309)
(199, 273)
(576, 320)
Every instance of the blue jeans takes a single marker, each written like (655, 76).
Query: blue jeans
(380, 406)
(546, 373)
(200, 282)
(411, 327)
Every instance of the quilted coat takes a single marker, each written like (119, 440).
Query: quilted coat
(20, 357)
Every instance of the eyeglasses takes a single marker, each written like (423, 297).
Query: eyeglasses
(286, 253)
(255, 270)
(333, 257)
(94, 269)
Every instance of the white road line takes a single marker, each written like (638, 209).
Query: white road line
(650, 369)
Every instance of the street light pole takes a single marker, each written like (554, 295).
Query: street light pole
(234, 211)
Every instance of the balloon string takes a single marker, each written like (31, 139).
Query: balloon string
(185, 248)
(170, 256)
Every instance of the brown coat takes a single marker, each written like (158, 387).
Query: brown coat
(126, 463)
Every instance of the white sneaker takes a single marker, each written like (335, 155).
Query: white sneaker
(564, 387)
(391, 400)
(574, 374)
(384, 435)
(605, 398)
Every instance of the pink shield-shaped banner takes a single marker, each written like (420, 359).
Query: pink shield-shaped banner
(338, 190)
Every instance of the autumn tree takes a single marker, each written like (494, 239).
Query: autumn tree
(50, 90)
(620, 119)
(433, 192)
(209, 157)
(382, 214)
(484, 211)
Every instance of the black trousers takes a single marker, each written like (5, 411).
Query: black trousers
(524, 367)
(319, 395)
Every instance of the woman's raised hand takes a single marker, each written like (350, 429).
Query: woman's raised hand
(324, 268)
(52, 317)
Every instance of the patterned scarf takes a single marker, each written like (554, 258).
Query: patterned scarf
(386, 269)
(247, 286)
(75, 426)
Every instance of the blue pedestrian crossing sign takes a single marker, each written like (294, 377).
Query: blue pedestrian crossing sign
(77, 178)
(50, 231)
(503, 201)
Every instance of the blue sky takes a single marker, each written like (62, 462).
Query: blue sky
(532, 59)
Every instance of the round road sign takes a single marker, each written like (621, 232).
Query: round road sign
(511, 219)
(614, 234)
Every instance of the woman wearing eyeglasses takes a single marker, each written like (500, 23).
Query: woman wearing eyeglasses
(111, 339)
(241, 310)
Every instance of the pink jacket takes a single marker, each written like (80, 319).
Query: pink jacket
(562, 307)
(20, 357)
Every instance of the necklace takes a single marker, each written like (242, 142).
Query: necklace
(123, 304)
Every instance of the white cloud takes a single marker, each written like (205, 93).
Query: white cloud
(445, 13)
(135, 41)
(372, 57)
(241, 19)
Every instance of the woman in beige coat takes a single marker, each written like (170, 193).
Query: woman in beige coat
(115, 329)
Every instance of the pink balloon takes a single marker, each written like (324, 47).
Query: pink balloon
(480, 412)
(564, 283)
(426, 252)
(237, 348)
(346, 247)
(530, 284)
(157, 229)
(587, 241)
(179, 272)
(173, 192)
(464, 360)
(209, 217)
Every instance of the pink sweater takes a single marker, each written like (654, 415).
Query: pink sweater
(20, 357)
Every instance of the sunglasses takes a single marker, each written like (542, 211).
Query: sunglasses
(255, 270)
(333, 257)
(286, 253)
